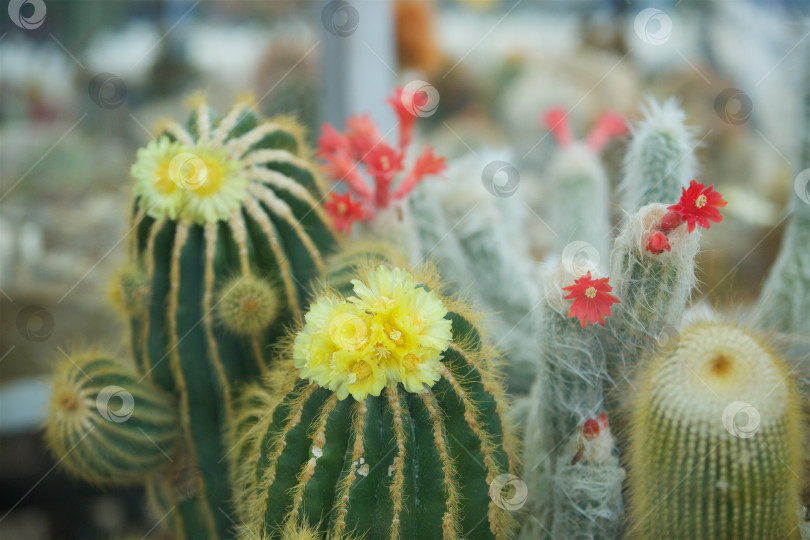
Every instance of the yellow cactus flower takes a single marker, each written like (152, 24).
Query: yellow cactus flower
(393, 330)
(160, 196)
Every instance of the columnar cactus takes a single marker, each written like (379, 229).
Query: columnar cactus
(716, 441)
(385, 420)
(580, 487)
(228, 232)
(474, 231)
(660, 158)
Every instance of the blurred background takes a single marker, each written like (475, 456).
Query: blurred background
(83, 84)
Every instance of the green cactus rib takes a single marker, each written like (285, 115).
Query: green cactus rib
(108, 425)
(398, 465)
(696, 469)
(279, 235)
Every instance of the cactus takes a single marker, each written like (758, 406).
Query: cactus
(398, 431)
(227, 235)
(715, 441)
(107, 424)
(660, 158)
(476, 236)
(579, 490)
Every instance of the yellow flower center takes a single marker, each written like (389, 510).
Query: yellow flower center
(395, 335)
(410, 361)
(590, 292)
(386, 164)
(701, 201)
(203, 171)
(348, 331)
(163, 182)
(360, 371)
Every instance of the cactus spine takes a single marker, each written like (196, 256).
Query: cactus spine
(227, 234)
(397, 464)
(715, 441)
(108, 424)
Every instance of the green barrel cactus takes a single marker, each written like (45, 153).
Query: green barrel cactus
(386, 419)
(108, 424)
(715, 441)
(227, 234)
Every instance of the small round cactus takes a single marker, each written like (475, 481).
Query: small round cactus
(107, 425)
(247, 305)
(716, 441)
(130, 290)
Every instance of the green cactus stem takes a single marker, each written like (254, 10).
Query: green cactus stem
(390, 463)
(715, 441)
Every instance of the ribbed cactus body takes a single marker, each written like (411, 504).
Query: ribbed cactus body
(660, 158)
(716, 441)
(396, 465)
(223, 290)
(108, 424)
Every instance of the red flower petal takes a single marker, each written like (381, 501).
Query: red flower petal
(590, 429)
(592, 299)
(331, 141)
(406, 118)
(362, 135)
(344, 211)
(556, 121)
(610, 125)
(657, 243)
(427, 163)
(698, 205)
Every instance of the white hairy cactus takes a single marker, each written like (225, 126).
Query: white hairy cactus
(660, 158)
(476, 236)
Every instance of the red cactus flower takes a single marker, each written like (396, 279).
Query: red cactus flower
(592, 299)
(331, 141)
(556, 121)
(590, 429)
(362, 135)
(698, 205)
(658, 243)
(426, 164)
(344, 211)
(609, 125)
(406, 118)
